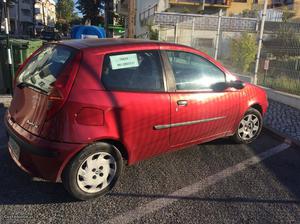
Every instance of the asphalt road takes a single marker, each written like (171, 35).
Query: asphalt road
(218, 182)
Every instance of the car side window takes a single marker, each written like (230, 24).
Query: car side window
(193, 72)
(133, 71)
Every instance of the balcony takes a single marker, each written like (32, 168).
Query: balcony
(282, 2)
(209, 3)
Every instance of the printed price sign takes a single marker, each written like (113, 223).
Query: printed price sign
(124, 61)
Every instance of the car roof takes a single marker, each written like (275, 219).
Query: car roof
(106, 42)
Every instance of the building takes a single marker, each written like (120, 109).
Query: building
(45, 13)
(145, 9)
(293, 5)
(22, 18)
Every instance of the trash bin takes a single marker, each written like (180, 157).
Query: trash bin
(4, 77)
(21, 50)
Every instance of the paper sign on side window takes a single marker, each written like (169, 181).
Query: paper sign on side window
(124, 61)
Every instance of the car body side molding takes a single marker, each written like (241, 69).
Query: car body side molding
(164, 126)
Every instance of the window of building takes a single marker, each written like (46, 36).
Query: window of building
(26, 12)
(203, 42)
(242, 1)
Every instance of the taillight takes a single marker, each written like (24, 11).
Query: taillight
(62, 86)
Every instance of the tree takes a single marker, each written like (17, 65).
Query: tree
(243, 51)
(65, 15)
(90, 10)
(253, 13)
(65, 10)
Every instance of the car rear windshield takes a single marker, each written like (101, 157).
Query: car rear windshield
(44, 68)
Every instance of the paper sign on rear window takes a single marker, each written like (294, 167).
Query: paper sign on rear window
(124, 61)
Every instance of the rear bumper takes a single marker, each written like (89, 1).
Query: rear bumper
(39, 157)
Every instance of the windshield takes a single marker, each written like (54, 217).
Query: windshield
(44, 68)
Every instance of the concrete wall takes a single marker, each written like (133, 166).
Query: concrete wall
(142, 6)
(285, 98)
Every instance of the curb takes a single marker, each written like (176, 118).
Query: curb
(281, 136)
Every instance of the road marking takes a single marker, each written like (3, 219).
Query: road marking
(158, 204)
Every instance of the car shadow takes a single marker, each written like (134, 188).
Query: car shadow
(17, 187)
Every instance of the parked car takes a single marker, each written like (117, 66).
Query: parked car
(84, 108)
(50, 35)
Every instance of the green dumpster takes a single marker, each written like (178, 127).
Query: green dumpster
(21, 50)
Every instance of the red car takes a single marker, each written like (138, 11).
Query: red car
(81, 108)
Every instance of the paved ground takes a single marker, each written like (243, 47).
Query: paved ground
(284, 119)
(219, 182)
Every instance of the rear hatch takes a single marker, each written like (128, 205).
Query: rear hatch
(42, 86)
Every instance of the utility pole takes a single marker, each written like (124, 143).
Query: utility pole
(218, 34)
(193, 32)
(264, 14)
(33, 18)
(43, 11)
(131, 19)
(108, 17)
(8, 47)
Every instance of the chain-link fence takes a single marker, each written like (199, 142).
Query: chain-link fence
(234, 42)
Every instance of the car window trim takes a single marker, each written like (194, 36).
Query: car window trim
(171, 76)
(164, 90)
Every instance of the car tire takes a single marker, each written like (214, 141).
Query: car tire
(93, 172)
(249, 127)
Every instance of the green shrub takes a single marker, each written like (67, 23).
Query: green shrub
(282, 83)
(243, 51)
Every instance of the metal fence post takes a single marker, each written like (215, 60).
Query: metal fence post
(159, 35)
(193, 30)
(218, 34)
(260, 41)
(176, 33)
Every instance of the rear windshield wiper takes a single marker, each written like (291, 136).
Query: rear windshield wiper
(26, 84)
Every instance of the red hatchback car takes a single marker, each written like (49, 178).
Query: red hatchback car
(83, 107)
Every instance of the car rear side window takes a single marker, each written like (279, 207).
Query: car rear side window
(133, 71)
(193, 72)
(45, 67)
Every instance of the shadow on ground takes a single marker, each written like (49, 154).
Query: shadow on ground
(17, 187)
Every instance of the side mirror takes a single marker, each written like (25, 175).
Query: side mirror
(237, 84)
(221, 86)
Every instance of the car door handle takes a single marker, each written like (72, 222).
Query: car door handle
(182, 103)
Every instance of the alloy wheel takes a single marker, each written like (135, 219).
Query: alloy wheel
(96, 172)
(249, 127)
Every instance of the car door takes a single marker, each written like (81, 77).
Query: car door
(198, 110)
(137, 101)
